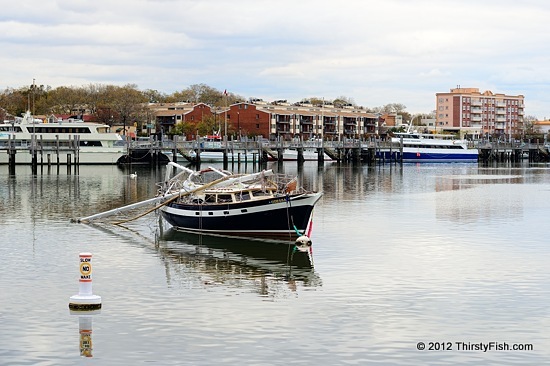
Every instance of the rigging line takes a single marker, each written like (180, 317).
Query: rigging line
(288, 219)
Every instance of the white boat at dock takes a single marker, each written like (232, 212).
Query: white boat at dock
(309, 154)
(93, 142)
(432, 148)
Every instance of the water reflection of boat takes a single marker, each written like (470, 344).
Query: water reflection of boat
(271, 270)
(263, 252)
(204, 261)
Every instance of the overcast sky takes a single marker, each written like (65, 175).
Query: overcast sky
(374, 52)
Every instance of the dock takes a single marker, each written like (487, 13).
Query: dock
(371, 152)
(39, 153)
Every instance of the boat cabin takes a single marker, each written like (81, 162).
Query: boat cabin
(233, 196)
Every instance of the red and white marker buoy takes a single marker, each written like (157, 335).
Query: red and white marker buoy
(85, 300)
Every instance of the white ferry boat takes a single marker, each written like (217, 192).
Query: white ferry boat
(432, 148)
(96, 143)
(212, 151)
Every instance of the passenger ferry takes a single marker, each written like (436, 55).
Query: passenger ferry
(432, 148)
(97, 144)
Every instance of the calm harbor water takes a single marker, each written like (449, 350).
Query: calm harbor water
(451, 255)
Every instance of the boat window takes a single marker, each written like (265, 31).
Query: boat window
(90, 143)
(243, 196)
(9, 129)
(211, 213)
(261, 193)
(210, 198)
(224, 198)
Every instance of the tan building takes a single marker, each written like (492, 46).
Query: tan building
(468, 111)
(276, 120)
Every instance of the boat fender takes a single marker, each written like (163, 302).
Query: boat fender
(303, 243)
(291, 186)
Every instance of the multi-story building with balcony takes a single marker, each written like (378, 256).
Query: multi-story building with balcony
(469, 112)
(276, 120)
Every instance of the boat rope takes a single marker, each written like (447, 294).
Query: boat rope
(147, 212)
(288, 220)
(187, 193)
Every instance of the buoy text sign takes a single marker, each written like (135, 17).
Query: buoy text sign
(85, 300)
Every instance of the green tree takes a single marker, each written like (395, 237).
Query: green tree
(184, 129)
(208, 125)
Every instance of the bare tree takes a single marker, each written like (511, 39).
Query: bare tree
(127, 102)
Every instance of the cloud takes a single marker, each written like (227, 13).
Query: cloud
(374, 52)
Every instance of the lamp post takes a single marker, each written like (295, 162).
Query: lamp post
(412, 120)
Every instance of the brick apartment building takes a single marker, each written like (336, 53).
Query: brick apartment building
(276, 120)
(468, 111)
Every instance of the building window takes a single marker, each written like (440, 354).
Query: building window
(257, 125)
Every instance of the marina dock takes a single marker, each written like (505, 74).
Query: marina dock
(357, 151)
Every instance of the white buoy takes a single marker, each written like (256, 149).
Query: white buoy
(303, 243)
(85, 300)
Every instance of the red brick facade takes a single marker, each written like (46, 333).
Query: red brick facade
(245, 119)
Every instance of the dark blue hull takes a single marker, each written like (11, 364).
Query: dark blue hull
(433, 157)
(275, 217)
